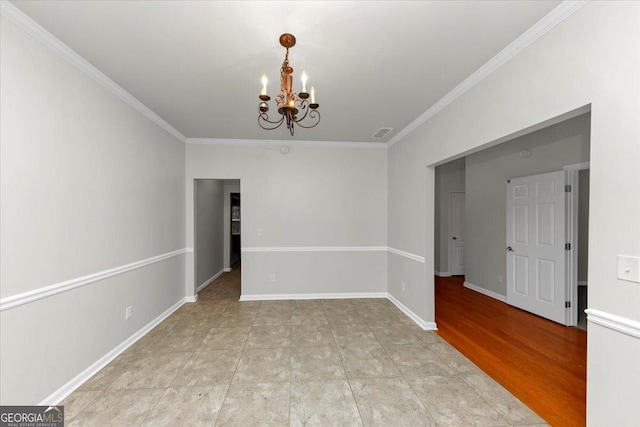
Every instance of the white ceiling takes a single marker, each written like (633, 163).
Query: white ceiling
(374, 64)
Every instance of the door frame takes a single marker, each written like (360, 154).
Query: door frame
(226, 223)
(450, 239)
(572, 173)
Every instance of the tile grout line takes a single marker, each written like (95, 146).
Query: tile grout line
(235, 370)
(379, 323)
(346, 374)
(409, 384)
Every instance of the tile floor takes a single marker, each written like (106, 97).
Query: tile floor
(318, 362)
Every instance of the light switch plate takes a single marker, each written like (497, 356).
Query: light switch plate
(629, 268)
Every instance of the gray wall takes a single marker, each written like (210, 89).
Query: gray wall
(449, 178)
(583, 225)
(309, 199)
(487, 173)
(209, 231)
(588, 60)
(88, 184)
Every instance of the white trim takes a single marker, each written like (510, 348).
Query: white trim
(315, 249)
(572, 178)
(64, 391)
(548, 22)
(406, 254)
(350, 295)
(427, 326)
(614, 322)
(334, 249)
(450, 249)
(484, 291)
(191, 299)
(226, 269)
(47, 291)
(29, 26)
(577, 166)
(188, 250)
(209, 280)
(442, 273)
(294, 143)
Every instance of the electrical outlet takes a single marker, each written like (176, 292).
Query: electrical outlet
(272, 277)
(403, 286)
(127, 313)
(500, 279)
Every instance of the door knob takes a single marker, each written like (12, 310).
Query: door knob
(509, 248)
(455, 238)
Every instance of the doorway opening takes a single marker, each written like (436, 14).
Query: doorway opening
(217, 239)
(482, 176)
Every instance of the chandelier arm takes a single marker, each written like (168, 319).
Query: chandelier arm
(313, 114)
(265, 118)
(303, 105)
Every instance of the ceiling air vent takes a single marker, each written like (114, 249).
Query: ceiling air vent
(382, 132)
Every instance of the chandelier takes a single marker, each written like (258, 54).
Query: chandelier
(294, 109)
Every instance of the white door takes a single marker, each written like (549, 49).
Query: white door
(536, 245)
(456, 246)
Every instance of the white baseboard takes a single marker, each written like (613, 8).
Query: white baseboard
(64, 391)
(209, 280)
(442, 273)
(227, 269)
(427, 326)
(485, 292)
(191, 299)
(271, 297)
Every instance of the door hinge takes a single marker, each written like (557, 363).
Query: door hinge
(567, 189)
(567, 304)
(567, 246)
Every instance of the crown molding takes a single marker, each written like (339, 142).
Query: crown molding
(279, 142)
(31, 27)
(548, 22)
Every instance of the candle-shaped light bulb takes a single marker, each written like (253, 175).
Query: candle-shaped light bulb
(313, 95)
(304, 81)
(264, 84)
(288, 83)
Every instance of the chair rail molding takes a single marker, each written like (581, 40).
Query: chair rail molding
(57, 288)
(614, 322)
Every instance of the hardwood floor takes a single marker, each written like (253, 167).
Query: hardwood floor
(541, 362)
